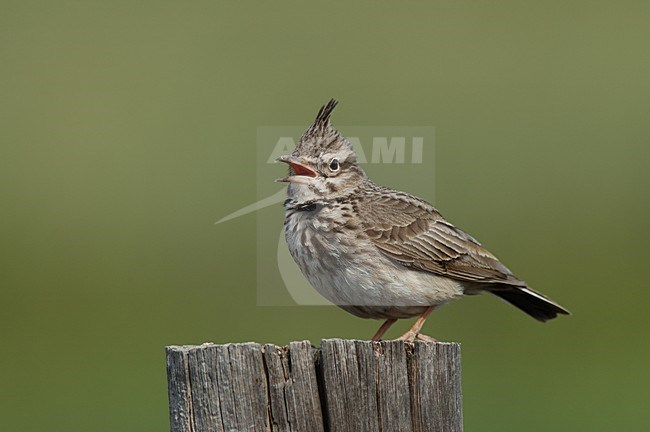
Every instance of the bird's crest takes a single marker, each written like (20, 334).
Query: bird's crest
(321, 134)
(323, 117)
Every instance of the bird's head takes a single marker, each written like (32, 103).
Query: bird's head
(323, 165)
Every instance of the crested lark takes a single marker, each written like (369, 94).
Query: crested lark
(381, 253)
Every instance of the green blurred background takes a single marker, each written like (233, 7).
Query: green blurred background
(128, 128)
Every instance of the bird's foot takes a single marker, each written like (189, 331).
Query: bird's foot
(410, 336)
(425, 338)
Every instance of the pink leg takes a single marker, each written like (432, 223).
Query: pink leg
(385, 326)
(414, 331)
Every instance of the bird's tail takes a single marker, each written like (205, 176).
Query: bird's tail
(530, 301)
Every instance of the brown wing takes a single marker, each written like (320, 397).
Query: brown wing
(414, 234)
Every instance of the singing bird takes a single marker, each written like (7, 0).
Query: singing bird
(380, 253)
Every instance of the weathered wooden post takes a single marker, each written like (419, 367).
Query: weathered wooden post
(345, 385)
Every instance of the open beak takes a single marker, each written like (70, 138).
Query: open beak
(300, 170)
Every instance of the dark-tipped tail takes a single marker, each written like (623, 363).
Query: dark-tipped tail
(531, 302)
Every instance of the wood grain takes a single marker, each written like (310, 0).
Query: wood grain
(346, 385)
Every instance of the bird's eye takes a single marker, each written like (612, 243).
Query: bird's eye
(334, 165)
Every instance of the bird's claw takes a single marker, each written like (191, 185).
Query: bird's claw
(410, 336)
(425, 338)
